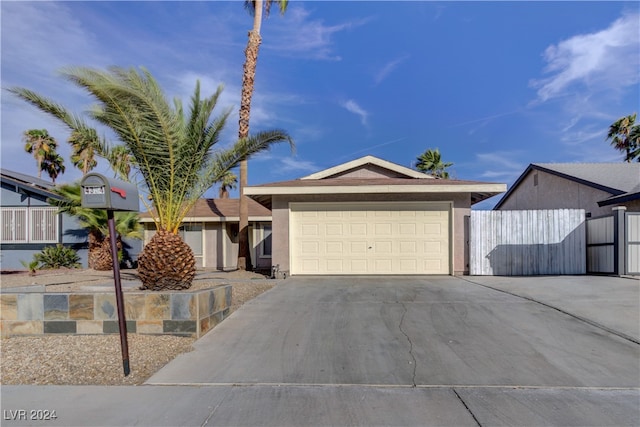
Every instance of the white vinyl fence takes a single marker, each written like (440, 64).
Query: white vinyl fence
(532, 242)
(633, 243)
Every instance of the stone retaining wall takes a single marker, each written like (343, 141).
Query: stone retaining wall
(190, 313)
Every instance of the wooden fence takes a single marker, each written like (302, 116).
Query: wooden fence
(532, 242)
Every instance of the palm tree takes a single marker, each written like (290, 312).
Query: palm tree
(83, 152)
(229, 181)
(120, 160)
(39, 143)
(95, 222)
(625, 137)
(53, 165)
(430, 162)
(255, 8)
(172, 152)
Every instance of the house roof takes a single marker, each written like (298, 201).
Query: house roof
(634, 194)
(615, 178)
(28, 183)
(402, 181)
(363, 161)
(219, 210)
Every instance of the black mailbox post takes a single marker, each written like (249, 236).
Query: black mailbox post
(100, 192)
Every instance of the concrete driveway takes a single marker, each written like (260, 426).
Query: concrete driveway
(395, 351)
(465, 350)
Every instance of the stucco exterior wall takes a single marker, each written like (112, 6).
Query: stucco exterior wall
(554, 192)
(459, 240)
(368, 171)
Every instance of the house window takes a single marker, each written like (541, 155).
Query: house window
(265, 244)
(535, 179)
(29, 225)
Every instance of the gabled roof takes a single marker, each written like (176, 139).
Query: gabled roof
(614, 178)
(219, 210)
(634, 194)
(396, 180)
(363, 161)
(28, 183)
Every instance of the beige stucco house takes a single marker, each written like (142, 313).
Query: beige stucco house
(594, 187)
(371, 216)
(211, 230)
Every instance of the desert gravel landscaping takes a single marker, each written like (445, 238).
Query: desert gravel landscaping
(96, 359)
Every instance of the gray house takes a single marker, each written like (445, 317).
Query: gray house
(594, 187)
(29, 223)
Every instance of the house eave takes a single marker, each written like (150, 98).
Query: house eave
(214, 219)
(478, 192)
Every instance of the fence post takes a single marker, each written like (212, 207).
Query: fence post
(619, 255)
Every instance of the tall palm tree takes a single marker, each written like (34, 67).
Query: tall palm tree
(172, 152)
(430, 162)
(39, 143)
(625, 137)
(53, 165)
(229, 181)
(255, 8)
(95, 222)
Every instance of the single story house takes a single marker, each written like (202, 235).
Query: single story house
(371, 216)
(594, 187)
(211, 230)
(30, 223)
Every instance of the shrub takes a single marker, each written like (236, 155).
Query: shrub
(57, 257)
(32, 266)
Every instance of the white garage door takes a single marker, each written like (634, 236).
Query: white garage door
(370, 238)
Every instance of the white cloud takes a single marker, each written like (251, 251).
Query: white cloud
(500, 165)
(354, 108)
(388, 69)
(303, 37)
(290, 164)
(604, 60)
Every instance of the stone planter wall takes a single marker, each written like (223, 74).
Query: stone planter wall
(187, 313)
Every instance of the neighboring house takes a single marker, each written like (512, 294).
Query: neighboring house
(29, 223)
(370, 216)
(594, 187)
(211, 230)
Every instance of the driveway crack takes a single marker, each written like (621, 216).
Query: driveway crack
(467, 408)
(413, 358)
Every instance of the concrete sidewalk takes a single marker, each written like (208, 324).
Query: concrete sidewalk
(411, 351)
(271, 405)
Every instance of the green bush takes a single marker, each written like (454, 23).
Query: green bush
(57, 257)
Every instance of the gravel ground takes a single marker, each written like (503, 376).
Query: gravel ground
(97, 359)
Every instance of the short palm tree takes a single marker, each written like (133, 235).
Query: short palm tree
(172, 152)
(40, 144)
(83, 154)
(95, 222)
(53, 165)
(625, 136)
(430, 162)
(229, 181)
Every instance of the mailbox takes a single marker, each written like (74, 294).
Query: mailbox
(100, 192)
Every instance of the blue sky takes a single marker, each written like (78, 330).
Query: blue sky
(494, 85)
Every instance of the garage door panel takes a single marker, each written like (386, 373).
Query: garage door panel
(350, 238)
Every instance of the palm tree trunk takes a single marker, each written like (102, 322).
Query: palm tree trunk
(248, 78)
